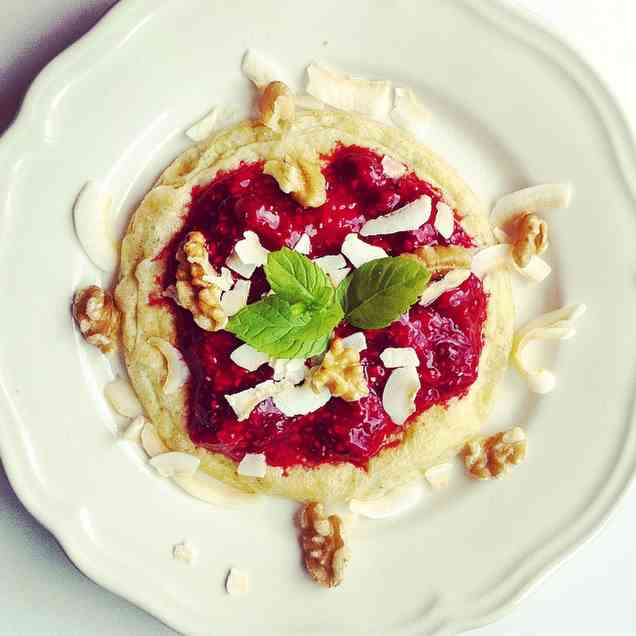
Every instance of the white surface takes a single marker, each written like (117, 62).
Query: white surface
(592, 592)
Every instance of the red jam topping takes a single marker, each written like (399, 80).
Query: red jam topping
(446, 335)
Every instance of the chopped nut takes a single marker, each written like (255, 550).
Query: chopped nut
(301, 177)
(277, 106)
(440, 259)
(323, 546)
(195, 291)
(532, 239)
(341, 372)
(488, 457)
(97, 317)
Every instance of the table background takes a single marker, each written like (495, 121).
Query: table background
(42, 593)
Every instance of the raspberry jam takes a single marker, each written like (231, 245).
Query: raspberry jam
(446, 335)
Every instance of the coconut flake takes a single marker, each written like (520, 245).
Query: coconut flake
(175, 463)
(491, 258)
(555, 325)
(205, 488)
(534, 199)
(301, 400)
(536, 270)
(92, 219)
(409, 113)
(444, 220)
(451, 280)
(238, 266)
(292, 370)
(252, 465)
(303, 245)
(369, 97)
(338, 275)
(392, 168)
(237, 582)
(248, 358)
(394, 357)
(359, 252)
(132, 433)
(216, 119)
(398, 397)
(391, 504)
(307, 102)
(244, 402)
(250, 250)
(122, 397)
(331, 262)
(178, 372)
(183, 552)
(259, 69)
(410, 217)
(356, 341)
(234, 300)
(438, 476)
(151, 442)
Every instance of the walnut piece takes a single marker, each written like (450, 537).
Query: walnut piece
(440, 259)
(194, 290)
(300, 176)
(322, 541)
(97, 317)
(341, 372)
(277, 106)
(488, 457)
(531, 239)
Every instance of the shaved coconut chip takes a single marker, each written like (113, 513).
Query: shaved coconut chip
(410, 217)
(174, 463)
(178, 372)
(331, 262)
(216, 119)
(252, 465)
(359, 252)
(536, 270)
(151, 441)
(449, 281)
(439, 476)
(369, 97)
(356, 341)
(307, 102)
(259, 70)
(409, 113)
(393, 503)
(555, 325)
(398, 397)
(444, 220)
(244, 402)
(301, 400)
(292, 369)
(303, 246)
(534, 199)
(91, 216)
(393, 357)
(238, 266)
(223, 281)
(392, 168)
(237, 582)
(234, 300)
(338, 276)
(250, 250)
(122, 397)
(248, 358)
(132, 433)
(490, 259)
(205, 488)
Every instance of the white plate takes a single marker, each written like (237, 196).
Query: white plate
(513, 106)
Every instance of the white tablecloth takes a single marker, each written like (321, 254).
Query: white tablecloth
(42, 593)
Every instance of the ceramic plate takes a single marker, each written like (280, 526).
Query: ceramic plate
(512, 107)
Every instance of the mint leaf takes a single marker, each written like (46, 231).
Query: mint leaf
(282, 330)
(297, 279)
(380, 291)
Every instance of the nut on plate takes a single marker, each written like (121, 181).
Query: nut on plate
(488, 457)
(97, 317)
(341, 372)
(195, 292)
(531, 239)
(277, 106)
(322, 541)
(440, 259)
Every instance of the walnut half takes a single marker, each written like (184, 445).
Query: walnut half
(341, 372)
(532, 239)
(488, 457)
(97, 317)
(277, 106)
(322, 541)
